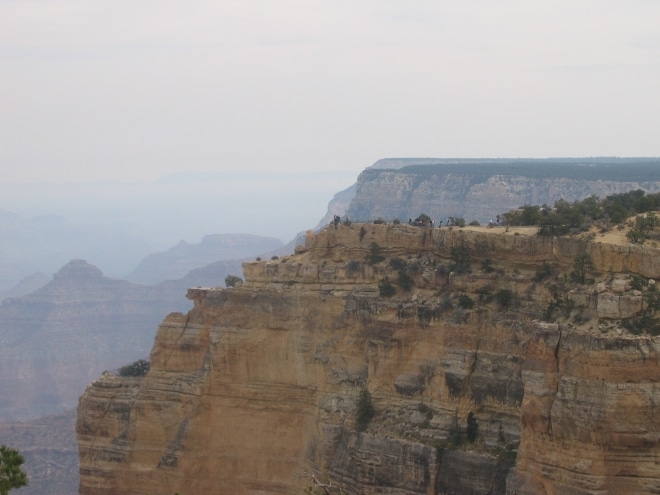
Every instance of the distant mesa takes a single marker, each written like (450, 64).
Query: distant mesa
(78, 269)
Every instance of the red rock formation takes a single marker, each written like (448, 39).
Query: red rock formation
(259, 384)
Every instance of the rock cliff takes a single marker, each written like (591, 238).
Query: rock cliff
(506, 378)
(475, 189)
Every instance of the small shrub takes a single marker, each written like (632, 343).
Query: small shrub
(460, 268)
(582, 316)
(483, 247)
(422, 221)
(385, 288)
(646, 223)
(396, 221)
(415, 267)
(504, 298)
(637, 282)
(274, 257)
(445, 305)
(636, 236)
(644, 324)
(487, 266)
(548, 312)
(365, 411)
(258, 258)
(353, 267)
(232, 280)
(542, 272)
(567, 306)
(474, 223)
(654, 329)
(465, 302)
(425, 410)
(374, 256)
(137, 368)
(398, 263)
(582, 266)
(404, 280)
(461, 257)
(11, 474)
(379, 221)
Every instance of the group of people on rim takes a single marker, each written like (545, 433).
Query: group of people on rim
(421, 221)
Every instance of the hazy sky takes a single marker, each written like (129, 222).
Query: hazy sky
(135, 89)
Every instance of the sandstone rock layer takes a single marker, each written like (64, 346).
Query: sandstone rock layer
(258, 385)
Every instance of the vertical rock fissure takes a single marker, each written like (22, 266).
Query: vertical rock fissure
(471, 369)
(170, 457)
(99, 423)
(557, 381)
(183, 331)
(557, 350)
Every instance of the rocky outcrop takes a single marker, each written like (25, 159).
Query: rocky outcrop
(479, 189)
(258, 385)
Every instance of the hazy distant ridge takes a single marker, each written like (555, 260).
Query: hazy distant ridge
(177, 261)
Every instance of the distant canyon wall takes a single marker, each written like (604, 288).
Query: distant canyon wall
(480, 189)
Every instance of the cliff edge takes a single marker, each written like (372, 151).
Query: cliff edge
(399, 360)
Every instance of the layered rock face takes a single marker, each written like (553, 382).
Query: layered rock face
(474, 189)
(259, 386)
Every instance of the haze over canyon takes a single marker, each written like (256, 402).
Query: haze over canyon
(81, 323)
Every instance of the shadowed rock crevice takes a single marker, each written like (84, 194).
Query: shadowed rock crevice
(170, 457)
